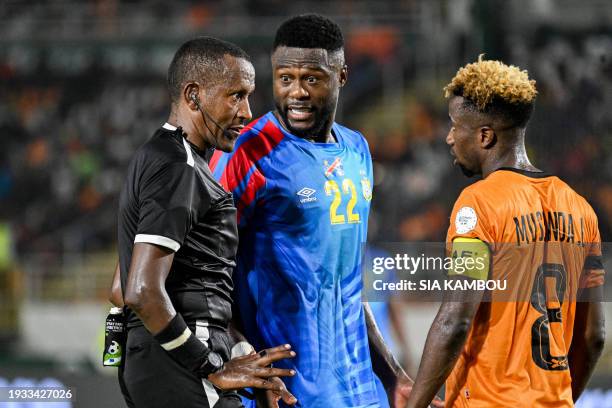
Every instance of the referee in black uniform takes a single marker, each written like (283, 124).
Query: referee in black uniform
(178, 241)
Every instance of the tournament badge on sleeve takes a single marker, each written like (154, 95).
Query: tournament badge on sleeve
(366, 188)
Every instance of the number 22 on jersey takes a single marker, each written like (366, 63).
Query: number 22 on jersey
(336, 214)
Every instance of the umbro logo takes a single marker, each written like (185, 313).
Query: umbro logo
(307, 193)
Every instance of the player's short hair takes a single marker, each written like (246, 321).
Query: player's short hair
(309, 31)
(200, 59)
(494, 88)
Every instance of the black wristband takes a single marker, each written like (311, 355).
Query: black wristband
(182, 345)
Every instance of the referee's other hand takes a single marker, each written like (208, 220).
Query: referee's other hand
(254, 370)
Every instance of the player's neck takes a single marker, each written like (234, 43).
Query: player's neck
(326, 136)
(514, 157)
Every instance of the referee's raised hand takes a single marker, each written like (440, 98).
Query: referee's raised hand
(254, 370)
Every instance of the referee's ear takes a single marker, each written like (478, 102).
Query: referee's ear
(343, 75)
(191, 95)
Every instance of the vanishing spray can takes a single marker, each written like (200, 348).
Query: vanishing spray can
(114, 338)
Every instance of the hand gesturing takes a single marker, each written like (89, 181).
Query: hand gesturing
(253, 370)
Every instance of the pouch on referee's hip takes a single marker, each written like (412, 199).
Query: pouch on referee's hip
(217, 339)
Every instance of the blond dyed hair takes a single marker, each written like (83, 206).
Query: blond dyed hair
(484, 81)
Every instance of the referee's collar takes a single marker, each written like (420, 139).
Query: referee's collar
(206, 154)
(168, 126)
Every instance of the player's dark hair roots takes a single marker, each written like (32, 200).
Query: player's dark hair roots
(199, 60)
(508, 114)
(309, 31)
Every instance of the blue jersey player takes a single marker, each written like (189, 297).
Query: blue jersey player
(302, 186)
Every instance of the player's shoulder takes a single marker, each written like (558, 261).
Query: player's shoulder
(253, 143)
(477, 192)
(499, 186)
(486, 197)
(351, 137)
(572, 197)
(257, 139)
(515, 181)
(259, 128)
(474, 212)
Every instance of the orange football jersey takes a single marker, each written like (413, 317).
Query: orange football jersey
(544, 241)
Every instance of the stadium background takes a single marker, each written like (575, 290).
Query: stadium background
(82, 86)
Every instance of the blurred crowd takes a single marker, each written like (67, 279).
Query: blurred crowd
(72, 114)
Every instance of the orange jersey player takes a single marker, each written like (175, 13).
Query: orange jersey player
(536, 343)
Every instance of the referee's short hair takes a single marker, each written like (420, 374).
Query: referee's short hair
(309, 31)
(200, 59)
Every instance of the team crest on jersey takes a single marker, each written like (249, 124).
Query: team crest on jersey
(465, 220)
(366, 188)
(334, 168)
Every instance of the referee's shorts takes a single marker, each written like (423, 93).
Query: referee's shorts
(150, 378)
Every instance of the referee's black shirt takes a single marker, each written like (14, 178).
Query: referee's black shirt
(171, 199)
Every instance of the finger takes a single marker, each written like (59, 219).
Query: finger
(271, 357)
(437, 403)
(404, 389)
(273, 372)
(287, 397)
(272, 398)
(402, 392)
(274, 349)
(246, 358)
(263, 384)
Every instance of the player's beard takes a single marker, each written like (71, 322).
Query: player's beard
(321, 118)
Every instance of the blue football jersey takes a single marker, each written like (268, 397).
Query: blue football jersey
(303, 215)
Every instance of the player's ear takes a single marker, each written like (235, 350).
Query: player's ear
(191, 95)
(488, 138)
(343, 75)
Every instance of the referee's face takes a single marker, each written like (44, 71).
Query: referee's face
(227, 104)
